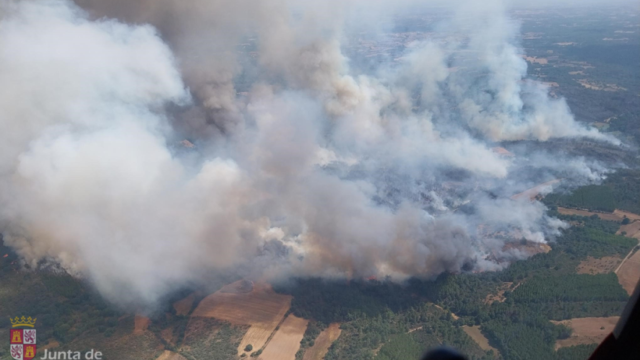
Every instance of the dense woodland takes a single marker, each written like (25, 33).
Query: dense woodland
(620, 190)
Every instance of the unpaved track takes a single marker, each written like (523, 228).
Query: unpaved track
(604, 216)
(477, 336)
(629, 272)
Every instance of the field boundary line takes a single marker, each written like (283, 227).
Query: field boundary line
(633, 251)
(275, 330)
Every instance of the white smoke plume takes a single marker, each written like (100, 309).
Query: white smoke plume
(304, 163)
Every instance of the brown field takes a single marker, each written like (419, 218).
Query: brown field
(286, 342)
(257, 336)
(167, 335)
(591, 330)
(528, 247)
(630, 215)
(604, 216)
(532, 193)
(238, 287)
(141, 324)
(605, 87)
(631, 230)
(536, 60)
(323, 342)
(477, 336)
(261, 308)
(169, 355)
(603, 265)
(183, 306)
(52, 344)
(629, 272)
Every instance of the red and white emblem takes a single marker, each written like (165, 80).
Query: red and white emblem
(16, 352)
(23, 344)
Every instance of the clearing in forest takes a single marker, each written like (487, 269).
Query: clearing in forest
(499, 295)
(477, 336)
(285, 343)
(183, 306)
(536, 60)
(604, 216)
(323, 342)
(631, 230)
(532, 193)
(629, 272)
(602, 265)
(630, 215)
(141, 324)
(590, 330)
(598, 86)
(256, 305)
(170, 355)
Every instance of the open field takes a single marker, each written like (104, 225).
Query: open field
(238, 287)
(589, 330)
(257, 336)
(169, 355)
(183, 307)
(286, 342)
(603, 265)
(141, 324)
(629, 272)
(631, 230)
(598, 86)
(530, 247)
(323, 342)
(630, 215)
(604, 216)
(211, 338)
(536, 60)
(477, 336)
(167, 335)
(535, 191)
(261, 308)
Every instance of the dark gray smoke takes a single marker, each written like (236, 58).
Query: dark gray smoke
(298, 161)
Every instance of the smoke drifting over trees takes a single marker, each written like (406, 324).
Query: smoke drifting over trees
(316, 167)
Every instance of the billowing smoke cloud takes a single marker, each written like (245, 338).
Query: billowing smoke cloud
(304, 162)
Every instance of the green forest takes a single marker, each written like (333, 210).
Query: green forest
(620, 190)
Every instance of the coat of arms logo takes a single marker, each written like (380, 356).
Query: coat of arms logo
(23, 338)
